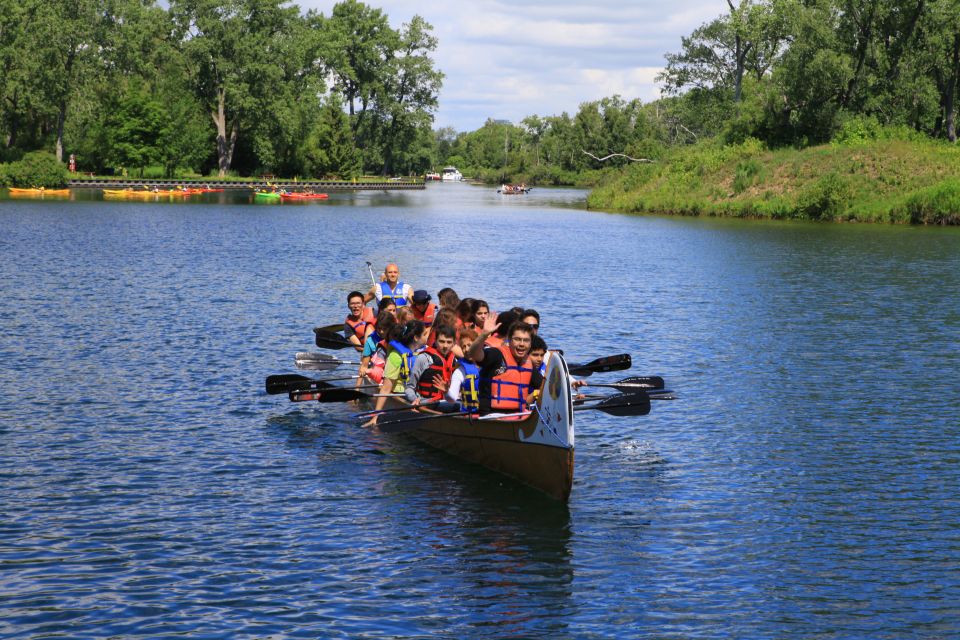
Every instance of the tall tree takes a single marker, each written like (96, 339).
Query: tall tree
(719, 53)
(232, 47)
(409, 95)
(329, 149)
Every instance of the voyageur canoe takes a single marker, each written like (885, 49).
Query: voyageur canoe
(535, 448)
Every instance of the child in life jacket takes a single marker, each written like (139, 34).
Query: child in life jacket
(538, 351)
(375, 349)
(433, 368)
(465, 381)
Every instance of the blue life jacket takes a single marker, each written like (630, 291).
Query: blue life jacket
(395, 294)
(470, 388)
(406, 360)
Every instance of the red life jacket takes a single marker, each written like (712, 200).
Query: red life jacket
(359, 327)
(378, 362)
(509, 389)
(440, 368)
(428, 314)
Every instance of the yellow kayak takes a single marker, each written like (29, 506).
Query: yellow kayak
(15, 191)
(139, 193)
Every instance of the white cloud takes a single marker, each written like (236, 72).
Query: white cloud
(513, 59)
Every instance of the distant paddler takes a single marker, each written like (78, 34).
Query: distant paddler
(390, 286)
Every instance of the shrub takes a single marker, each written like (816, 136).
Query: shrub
(827, 197)
(939, 204)
(36, 169)
(745, 174)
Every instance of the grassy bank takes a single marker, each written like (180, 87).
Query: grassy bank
(895, 181)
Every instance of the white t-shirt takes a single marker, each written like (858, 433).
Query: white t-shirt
(456, 381)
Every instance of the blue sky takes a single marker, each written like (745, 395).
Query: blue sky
(513, 59)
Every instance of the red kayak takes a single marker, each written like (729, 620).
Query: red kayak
(303, 196)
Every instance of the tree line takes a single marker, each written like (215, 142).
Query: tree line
(788, 73)
(225, 86)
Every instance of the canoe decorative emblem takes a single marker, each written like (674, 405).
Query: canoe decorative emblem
(554, 385)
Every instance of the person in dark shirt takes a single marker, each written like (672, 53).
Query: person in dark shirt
(506, 375)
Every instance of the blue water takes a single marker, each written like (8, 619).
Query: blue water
(805, 485)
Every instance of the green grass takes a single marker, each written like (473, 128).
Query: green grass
(892, 181)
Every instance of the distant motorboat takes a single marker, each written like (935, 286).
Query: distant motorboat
(433, 176)
(451, 174)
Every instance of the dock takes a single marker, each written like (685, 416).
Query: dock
(316, 185)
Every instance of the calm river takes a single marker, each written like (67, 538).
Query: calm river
(806, 484)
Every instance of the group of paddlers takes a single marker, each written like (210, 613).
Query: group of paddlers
(454, 351)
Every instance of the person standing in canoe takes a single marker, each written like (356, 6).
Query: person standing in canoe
(506, 374)
(390, 286)
(360, 322)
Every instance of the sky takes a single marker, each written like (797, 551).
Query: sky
(509, 60)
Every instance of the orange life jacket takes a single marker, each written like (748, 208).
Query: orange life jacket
(359, 327)
(428, 314)
(493, 341)
(509, 389)
(442, 368)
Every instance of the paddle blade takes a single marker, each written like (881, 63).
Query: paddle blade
(288, 382)
(330, 340)
(311, 361)
(623, 405)
(618, 362)
(645, 382)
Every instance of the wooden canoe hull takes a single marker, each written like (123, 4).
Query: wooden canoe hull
(536, 449)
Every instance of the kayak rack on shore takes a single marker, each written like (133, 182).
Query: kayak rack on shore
(321, 185)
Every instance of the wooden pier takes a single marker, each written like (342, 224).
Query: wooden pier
(290, 185)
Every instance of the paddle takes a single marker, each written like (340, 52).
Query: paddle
(622, 405)
(368, 414)
(655, 394)
(655, 382)
(602, 365)
(333, 328)
(400, 422)
(286, 383)
(652, 382)
(339, 394)
(330, 340)
(318, 361)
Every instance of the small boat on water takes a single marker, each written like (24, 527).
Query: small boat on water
(432, 176)
(451, 174)
(266, 195)
(293, 195)
(143, 193)
(34, 192)
(513, 189)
